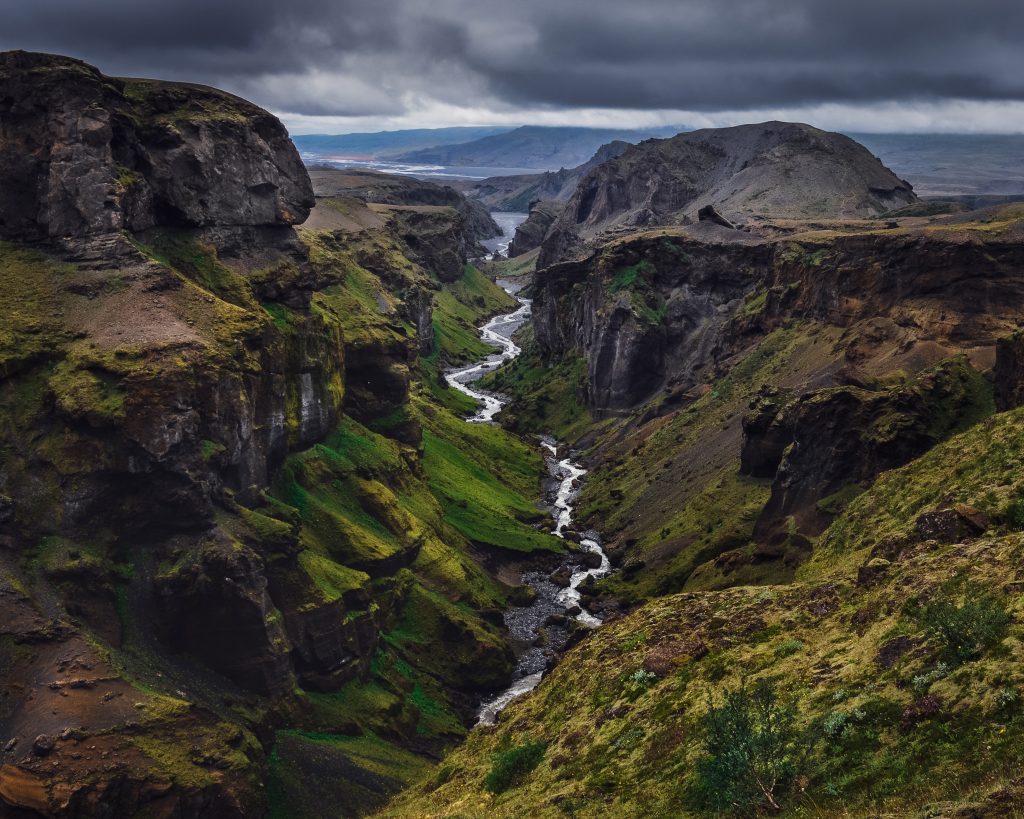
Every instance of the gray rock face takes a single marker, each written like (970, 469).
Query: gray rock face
(644, 311)
(531, 233)
(777, 169)
(82, 154)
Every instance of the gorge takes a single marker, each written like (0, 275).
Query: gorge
(309, 508)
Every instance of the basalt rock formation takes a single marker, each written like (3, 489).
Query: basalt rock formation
(667, 308)
(775, 169)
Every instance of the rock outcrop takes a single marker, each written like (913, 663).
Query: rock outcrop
(657, 309)
(391, 189)
(82, 154)
(194, 524)
(826, 446)
(530, 234)
(777, 169)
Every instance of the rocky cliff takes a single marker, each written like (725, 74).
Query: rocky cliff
(776, 168)
(530, 234)
(204, 542)
(83, 154)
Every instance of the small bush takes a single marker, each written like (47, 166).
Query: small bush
(965, 625)
(637, 683)
(510, 766)
(752, 750)
(787, 648)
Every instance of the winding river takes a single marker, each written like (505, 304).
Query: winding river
(541, 629)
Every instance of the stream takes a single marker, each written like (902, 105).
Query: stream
(541, 629)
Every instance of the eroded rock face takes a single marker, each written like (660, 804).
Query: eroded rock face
(649, 311)
(822, 447)
(1008, 377)
(83, 154)
(643, 312)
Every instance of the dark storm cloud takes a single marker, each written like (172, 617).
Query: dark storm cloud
(355, 57)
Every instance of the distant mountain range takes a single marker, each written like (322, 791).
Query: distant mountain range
(953, 164)
(518, 193)
(532, 146)
(386, 144)
(935, 164)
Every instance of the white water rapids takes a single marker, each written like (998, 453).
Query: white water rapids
(524, 624)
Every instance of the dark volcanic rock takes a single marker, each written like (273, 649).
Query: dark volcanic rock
(531, 233)
(82, 154)
(781, 169)
(1008, 376)
(838, 438)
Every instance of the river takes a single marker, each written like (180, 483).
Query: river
(497, 246)
(541, 629)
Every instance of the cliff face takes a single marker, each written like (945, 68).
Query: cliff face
(530, 234)
(83, 154)
(197, 524)
(776, 168)
(667, 308)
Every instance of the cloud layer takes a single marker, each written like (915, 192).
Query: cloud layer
(344, 64)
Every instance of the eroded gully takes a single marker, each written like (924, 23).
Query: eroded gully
(540, 630)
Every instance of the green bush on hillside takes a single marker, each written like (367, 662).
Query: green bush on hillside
(752, 749)
(965, 622)
(510, 766)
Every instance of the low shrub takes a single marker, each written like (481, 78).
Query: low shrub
(965, 620)
(510, 766)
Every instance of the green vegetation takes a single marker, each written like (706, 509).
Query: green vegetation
(964, 619)
(458, 309)
(751, 747)
(545, 398)
(510, 766)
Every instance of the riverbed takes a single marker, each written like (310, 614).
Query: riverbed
(542, 629)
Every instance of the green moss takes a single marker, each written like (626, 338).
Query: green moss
(181, 251)
(353, 775)
(30, 323)
(487, 483)
(92, 394)
(628, 277)
(330, 577)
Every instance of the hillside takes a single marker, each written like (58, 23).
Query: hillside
(785, 170)
(801, 473)
(531, 146)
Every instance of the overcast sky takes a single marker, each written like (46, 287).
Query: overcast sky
(333, 66)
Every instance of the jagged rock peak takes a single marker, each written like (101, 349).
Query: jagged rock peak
(82, 154)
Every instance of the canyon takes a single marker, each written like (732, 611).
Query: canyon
(310, 508)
